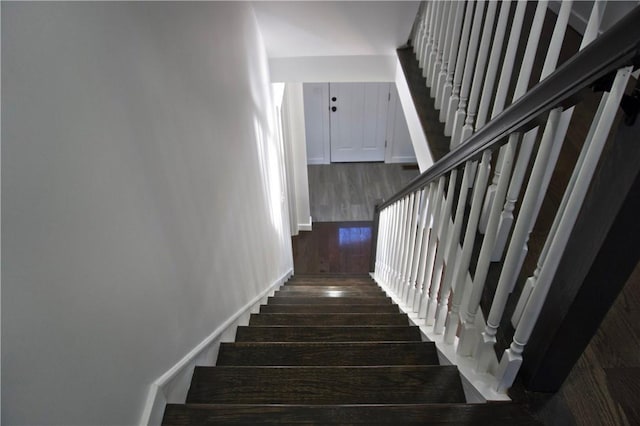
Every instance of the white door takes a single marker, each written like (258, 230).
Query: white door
(358, 121)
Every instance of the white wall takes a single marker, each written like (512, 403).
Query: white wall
(141, 197)
(295, 141)
(336, 69)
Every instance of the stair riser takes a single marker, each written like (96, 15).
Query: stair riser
(310, 300)
(334, 283)
(332, 294)
(328, 334)
(318, 309)
(328, 319)
(327, 354)
(326, 385)
(321, 288)
(418, 414)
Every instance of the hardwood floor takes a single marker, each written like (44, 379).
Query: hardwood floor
(349, 191)
(333, 247)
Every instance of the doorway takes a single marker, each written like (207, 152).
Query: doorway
(355, 122)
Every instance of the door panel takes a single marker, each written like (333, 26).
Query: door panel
(359, 122)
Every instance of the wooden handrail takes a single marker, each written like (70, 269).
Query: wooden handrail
(616, 48)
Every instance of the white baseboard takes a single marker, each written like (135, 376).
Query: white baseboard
(173, 385)
(410, 159)
(316, 161)
(305, 226)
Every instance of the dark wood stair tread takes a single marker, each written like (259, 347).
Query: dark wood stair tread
(330, 277)
(328, 334)
(339, 284)
(334, 288)
(504, 414)
(326, 385)
(326, 354)
(329, 319)
(316, 300)
(331, 294)
(379, 309)
(325, 275)
(332, 350)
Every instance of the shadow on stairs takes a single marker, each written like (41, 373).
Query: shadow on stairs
(332, 350)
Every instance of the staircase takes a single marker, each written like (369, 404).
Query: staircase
(332, 350)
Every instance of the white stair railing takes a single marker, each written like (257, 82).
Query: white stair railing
(439, 279)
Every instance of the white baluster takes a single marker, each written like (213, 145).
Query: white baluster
(442, 101)
(459, 71)
(413, 231)
(512, 358)
(509, 60)
(462, 266)
(438, 267)
(528, 213)
(433, 29)
(401, 244)
(531, 281)
(526, 147)
(425, 35)
(593, 26)
(477, 81)
(446, 53)
(521, 88)
(424, 244)
(590, 34)
(551, 60)
(452, 251)
(494, 59)
(387, 243)
(415, 32)
(418, 245)
(431, 247)
(398, 254)
(433, 77)
(396, 243)
(501, 94)
(406, 246)
(469, 335)
(472, 51)
(380, 246)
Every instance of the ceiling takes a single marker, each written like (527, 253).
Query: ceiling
(341, 28)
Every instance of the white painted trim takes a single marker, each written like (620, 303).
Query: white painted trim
(478, 387)
(318, 160)
(305, 226)
(179, 375)
(391, 124)
(418, 138)
(411, 159)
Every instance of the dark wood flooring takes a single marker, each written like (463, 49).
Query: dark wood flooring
(350, 191)
(333, 247)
